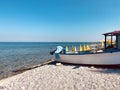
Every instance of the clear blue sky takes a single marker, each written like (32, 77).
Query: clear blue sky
(58, 20)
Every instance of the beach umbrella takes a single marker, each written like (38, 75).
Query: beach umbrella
(87, 48)
(109, 42)
(102, 43)
(80, 48)
(73, 49)
(84, 48)
(67, 49)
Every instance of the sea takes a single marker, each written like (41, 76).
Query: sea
(14, 55)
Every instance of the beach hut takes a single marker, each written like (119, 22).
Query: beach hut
(117, 41)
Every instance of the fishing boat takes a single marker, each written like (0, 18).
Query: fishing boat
(109, 55)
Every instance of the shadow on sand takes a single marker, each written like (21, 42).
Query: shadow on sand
(108, 69)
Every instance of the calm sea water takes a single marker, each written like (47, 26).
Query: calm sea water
(14, 55)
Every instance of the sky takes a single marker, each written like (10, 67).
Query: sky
(57, 20)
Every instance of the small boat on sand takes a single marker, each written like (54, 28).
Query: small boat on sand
(109, 55)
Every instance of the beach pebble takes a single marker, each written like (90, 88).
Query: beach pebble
(58, 64)
(51, 77)
(82, 68)
(92, 67)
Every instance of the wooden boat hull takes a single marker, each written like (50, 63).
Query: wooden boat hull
(91, 59)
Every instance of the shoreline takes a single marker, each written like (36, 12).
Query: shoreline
(23, 69)
(72, 77)
(52, 62)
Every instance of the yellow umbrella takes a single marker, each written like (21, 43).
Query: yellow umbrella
(87, 48)
(102, 43)
(80, 48)
(109, 42)
(67, 49)
(84, 48)
(73, 49)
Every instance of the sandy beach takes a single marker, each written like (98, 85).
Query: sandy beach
(64, 77)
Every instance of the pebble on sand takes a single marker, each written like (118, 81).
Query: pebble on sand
(67, 77)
